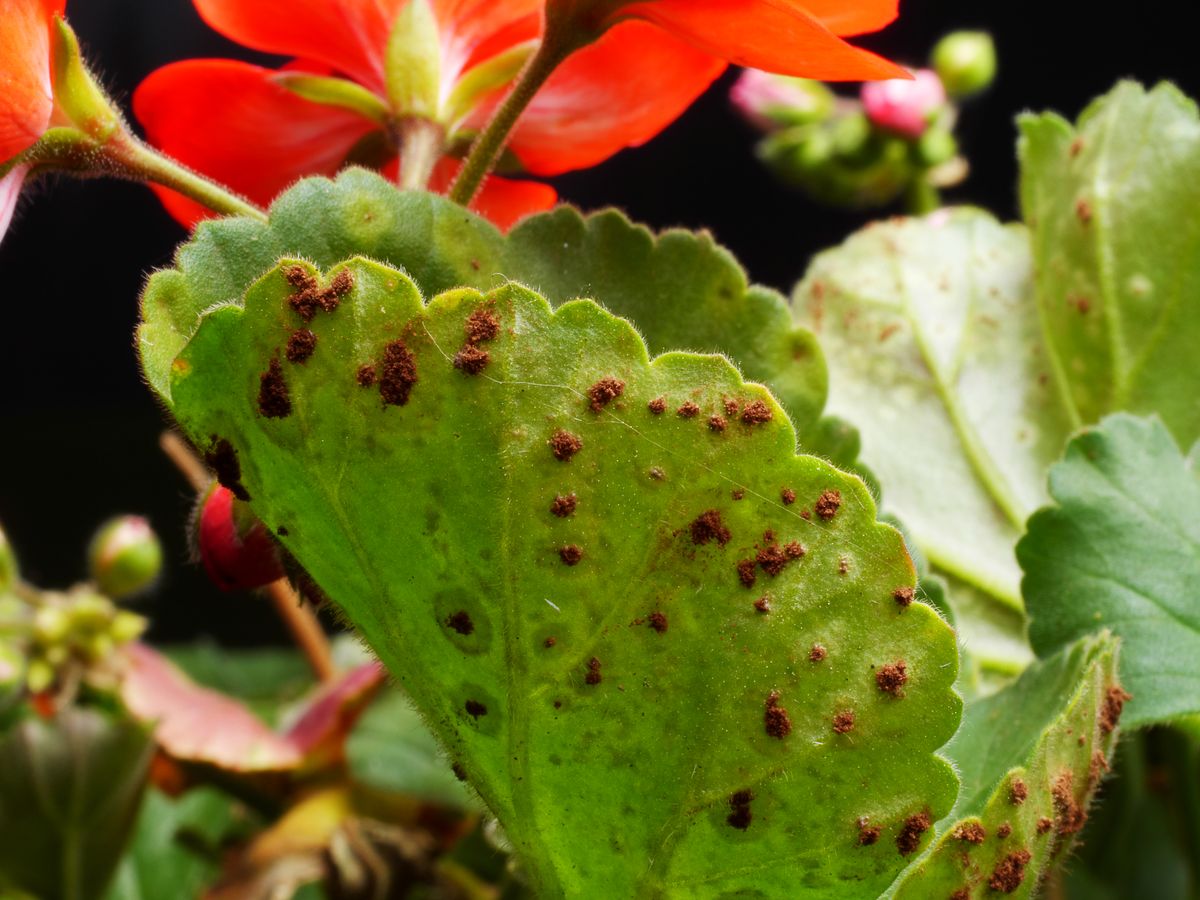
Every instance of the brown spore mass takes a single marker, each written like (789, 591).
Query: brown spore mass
(1018, 792)
(399, 373)
(274, 398)
(970, 832)
(475, 709)
(1114, 703)
(1009, 874)
(689, 410)
(817, 653)
(868, 834)
(471, 359)
(776, 719)
(564, 445)
(1004, 831)
(593, 675)
(658, 621)
(1044, 824)
(657, 406)
(708, 527)
(1083, 211)
(763, 604)
(745, 570)
(300, 346)
(222, 459)
(909, 838)
(717, 423)
(308, 298)
(365, 376)
(459, 772)
(738, 493)
(961, 894)
(904, 597)
(481, 325)
(571, 554)
(740, 816)
(843, 722)
(731, 407)
(461, 622)
(828, 504)
(604, 392)
(564, 505)
(788, 496)
(774, 559)
(891, 678)
(549, 642)
(1070, 817)
(843, 566)
(757, 413)
(794, 550)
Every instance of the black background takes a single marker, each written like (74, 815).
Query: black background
(78, 429)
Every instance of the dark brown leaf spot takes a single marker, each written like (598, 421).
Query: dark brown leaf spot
(475, 709)
(300, 346)
(593, 675)
(788, 496)
(843, 722)
(828, 504)
(1018, 792)
(969, 832)
(776, 719)
(658, 621)
(1044, 824)
(717, 423)
(1083, 211)
(745, 570)
(564, 445)
(709, 527)
(274, 398)
(471, 359)
(571, 554)
(763, 604)
(757, 413)
(1070, 817)
(549, 642)
(604, 392)
(891, 678)
(868, 834)
(689, 410)
(365, 376)
(399, 373)
(740, 816)
(563, 505)
(1009, 874)
(481, 326)
(222, 459)
(817, 653)
(1114, 703)
(909, 838)
(657, 406)
(1004, 830)
(904, 597)
(461, 622)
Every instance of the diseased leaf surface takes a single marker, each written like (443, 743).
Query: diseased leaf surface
(932, 340)
(1111, 204)
(1121, 550)
(565, 581)
(1030, 758)
(681, 290)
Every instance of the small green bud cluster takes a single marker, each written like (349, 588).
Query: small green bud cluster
(76, 630)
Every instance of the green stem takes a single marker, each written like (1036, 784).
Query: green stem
(490, 143)
(133, 159)
(421, 142)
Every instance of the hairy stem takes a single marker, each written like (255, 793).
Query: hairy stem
(421, 143)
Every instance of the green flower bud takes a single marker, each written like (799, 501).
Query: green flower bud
(965, 61)
(935, 147)
(125, 627)
(98, 647)
(125, 556)
(51, 624)
(39, 675)
(90, 612)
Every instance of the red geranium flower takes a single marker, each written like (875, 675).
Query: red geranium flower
(240, 124)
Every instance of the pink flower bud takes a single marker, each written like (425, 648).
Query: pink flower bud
(236, 549)
(770, 101)
(905, 107)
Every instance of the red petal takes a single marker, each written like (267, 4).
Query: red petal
(773, 35)
(231, 121)
(197, 724)
(859, 17)
(476, 30)
(349, 35)
(26, 99)
(619, 92)
(234, 559)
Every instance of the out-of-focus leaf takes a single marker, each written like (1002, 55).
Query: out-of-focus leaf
(1030, 758)
(392, 749)
(932, 340)
(1111, 203)
(1121, 550)
(266, 679)
(176, 846)
(69, 794)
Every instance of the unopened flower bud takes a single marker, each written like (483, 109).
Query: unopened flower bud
(125, 556)
(965, 61)
(904, 107)
(89, 612)
(50, 625)
(236, 549)
(935, 147)
(39, 675)
(125, 627)
(778, 101)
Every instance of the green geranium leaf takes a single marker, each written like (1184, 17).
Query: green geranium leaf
(176, 850)
(674, 658)
(69, 794)
(932, 341)
(1121, 550)
(1030, 758)
(392, 750)
(1111, 203)
(679, 288)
